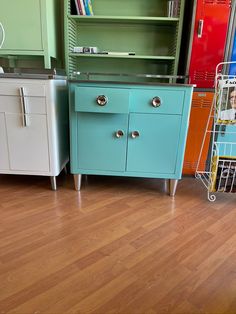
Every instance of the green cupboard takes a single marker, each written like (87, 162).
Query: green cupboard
(30, 28)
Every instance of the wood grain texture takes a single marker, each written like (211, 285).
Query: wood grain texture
(121, 245)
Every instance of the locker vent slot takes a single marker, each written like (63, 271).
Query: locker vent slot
(204, 76)
(223, 2)
(201, 103)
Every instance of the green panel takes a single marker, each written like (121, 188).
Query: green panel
(155, 150)
(98, 147)
(22, 24)
(117, 65)
(130, 7)
(53, 11)
(125, 19)
(141, 39)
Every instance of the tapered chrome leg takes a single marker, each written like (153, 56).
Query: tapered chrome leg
(173, 185)
(53, 183)
(77, 181)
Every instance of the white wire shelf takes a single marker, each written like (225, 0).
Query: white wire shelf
(219, 174)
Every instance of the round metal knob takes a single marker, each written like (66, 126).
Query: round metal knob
(119, 133)
(102, 100)
(135, 134)
(156, 101)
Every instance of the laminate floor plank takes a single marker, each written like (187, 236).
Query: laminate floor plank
(120, 245)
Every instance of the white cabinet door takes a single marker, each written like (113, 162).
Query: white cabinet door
(28, 145)
(4, 160)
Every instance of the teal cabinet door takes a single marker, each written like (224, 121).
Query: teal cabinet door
(21, 23)
(102, 141)
(153, 143)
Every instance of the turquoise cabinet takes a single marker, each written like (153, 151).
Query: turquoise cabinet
(128, 129)
(29, 28)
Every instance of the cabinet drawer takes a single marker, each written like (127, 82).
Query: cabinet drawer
(14, 104)
(105, 100)
(157, 101)
(30, 89)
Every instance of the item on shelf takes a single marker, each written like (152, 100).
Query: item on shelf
(85, 50)
(226, 101)
(80, 9)
(119, 53)
(88, 7)
(223, 174)
(172, 8)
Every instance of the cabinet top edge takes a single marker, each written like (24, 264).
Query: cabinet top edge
(131, 83)
(32, 76)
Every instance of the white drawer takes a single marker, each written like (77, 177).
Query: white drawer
(30, 89)
(13, 104)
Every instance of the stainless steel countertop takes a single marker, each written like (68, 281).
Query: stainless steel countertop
(43, 74)
(130, 83)
(125, 78)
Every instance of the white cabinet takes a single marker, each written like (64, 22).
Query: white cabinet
(4, 158)
(34, 127)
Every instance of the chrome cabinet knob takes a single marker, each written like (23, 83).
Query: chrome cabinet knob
(119, 133)
(135, 134)
(102, 100)
(156, 101)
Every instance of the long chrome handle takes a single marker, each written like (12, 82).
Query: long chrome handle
(135, 134)
(102, 100)
(156, 101)
(119, 133)
(23, 105)
(200, 28)
(3, 35)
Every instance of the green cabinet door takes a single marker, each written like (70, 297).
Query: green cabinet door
(154, 148)
(100, 147)
(21, 23)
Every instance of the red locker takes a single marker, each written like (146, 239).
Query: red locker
(209, 40)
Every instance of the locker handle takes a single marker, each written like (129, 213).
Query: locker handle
(200, 28)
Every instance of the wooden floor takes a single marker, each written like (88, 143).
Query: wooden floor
(121, 245)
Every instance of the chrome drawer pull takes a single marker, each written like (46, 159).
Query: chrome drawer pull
(102, 100)
(135, 134)
(156, 101)
(23, 105)
(119, 133)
